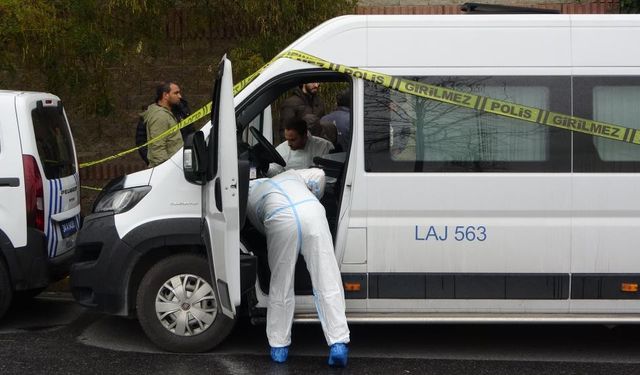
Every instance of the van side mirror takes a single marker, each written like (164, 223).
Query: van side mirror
(194, 159)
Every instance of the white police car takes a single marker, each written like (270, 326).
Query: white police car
(39, 193)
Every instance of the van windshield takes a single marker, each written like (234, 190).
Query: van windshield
(54, 142)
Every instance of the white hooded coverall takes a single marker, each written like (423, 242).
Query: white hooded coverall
(294, 222)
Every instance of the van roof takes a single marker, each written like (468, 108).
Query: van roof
(470, 44)
(470, 40)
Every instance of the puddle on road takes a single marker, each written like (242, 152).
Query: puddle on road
(40, 314)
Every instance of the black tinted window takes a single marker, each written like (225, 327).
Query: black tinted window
(53, 140)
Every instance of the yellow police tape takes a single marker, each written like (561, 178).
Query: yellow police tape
(197, 115)
(432, 92)
(481, 103)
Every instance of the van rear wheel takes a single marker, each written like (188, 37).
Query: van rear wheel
(6, 292)
(178, 307)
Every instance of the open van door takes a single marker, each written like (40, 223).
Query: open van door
(186, 303)
(220, 203)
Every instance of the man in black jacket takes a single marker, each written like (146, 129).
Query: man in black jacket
(304, 101)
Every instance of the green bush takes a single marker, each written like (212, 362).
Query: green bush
(72, 46)
(629, 6)
(279, 24)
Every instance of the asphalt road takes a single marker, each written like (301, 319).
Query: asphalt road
(56, 336)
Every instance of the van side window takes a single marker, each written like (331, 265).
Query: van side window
(53, 141)
(408, 133)
(614, 100)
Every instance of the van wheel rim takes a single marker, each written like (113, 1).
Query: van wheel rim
(186, 305)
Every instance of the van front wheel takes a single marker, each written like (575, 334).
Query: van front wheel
(178, 307)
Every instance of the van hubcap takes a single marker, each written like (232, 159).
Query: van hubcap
(186, 305)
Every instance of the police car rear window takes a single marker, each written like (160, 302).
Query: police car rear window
(53, 140)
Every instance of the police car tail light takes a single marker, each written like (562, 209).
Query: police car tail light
(34, 192)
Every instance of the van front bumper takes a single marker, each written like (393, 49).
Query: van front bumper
(101, 267)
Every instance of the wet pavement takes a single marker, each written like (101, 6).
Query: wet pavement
(53, 335)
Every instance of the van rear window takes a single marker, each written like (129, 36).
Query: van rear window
(54, 142)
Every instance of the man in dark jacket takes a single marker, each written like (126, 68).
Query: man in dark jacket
(341, 117)
(158, 119)
(180, 112)
(304, 101)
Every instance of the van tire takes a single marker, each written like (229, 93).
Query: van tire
(191, 270)
(6, 293)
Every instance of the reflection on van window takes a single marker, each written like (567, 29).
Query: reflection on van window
(614, 100)
(53, 141)
(618, 105)
(434, 136)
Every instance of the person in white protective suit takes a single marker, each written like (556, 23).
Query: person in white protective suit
(285, 209)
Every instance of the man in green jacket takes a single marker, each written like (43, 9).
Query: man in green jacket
(158, 118)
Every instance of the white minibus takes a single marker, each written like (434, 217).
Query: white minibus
(441, 212)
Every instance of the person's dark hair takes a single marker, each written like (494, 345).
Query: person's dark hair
(163, 88)
(297, 124)
(343, 99)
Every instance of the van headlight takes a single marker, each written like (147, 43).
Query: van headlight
(121, 200)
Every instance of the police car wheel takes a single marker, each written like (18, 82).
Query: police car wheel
(5, 289)
(178, 308)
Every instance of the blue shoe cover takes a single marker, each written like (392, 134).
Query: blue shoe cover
(280, 355)
(338, 355)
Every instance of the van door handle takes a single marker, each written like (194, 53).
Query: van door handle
(218, 195)
(9, 181)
